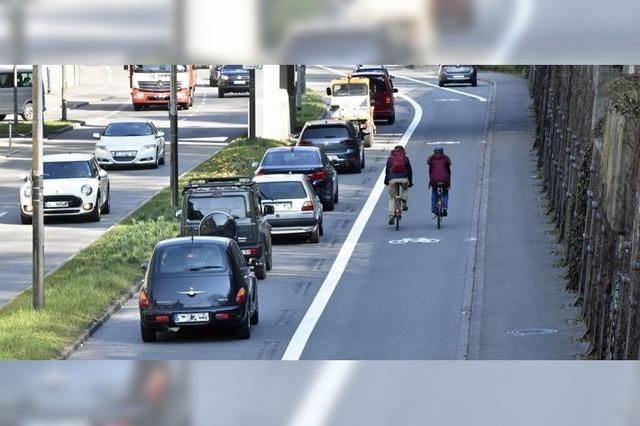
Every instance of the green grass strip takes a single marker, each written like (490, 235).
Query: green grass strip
(313, 108)
(25, 127)
(84, 287)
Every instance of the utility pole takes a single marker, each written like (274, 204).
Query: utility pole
(15, 97)
(63, 93)
(173, 122)
(36, 192)
(252, 103)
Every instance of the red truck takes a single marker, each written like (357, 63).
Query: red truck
(150, 85)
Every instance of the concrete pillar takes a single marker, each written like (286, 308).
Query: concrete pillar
(273, 115)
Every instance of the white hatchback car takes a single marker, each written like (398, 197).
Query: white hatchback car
(130, 143)
(74, 185)
(297, 208)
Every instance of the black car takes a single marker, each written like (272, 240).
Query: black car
(338, 139)
(232, 79)
(197, 282)
(307, 160)
(458, 74)
(238, 197)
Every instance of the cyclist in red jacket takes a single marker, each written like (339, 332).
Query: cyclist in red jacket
(398, 173)
(439, 171)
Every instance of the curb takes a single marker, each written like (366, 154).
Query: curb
(96, 324)
(75, 125)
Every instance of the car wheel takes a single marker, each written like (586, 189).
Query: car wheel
(106, 209)
(94, 216)
(368, 140)
(474, 82)
(261, 269)
(162, 159)
(315, 236)
(321, 227)
(25, 218)
(392, 119)
(157, 160)
(362, 162)
(255, 316)
(137, 107)
(27, 112)
(147, 334)
(2, 116)
(441, 83)
(220, 93)
(270, 259)
(337, 194)
(244, 331)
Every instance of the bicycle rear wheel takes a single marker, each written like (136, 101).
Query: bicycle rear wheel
(438, 218)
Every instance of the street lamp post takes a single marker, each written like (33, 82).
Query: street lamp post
(63, 93)
(173, 122)
(36, 192)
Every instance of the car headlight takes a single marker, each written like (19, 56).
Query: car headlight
(351, 151)
(149, 146)
(224, 77)
(101, 147)
(86, 189)
(26, 192)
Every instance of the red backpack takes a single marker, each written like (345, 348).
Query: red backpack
(398, 161)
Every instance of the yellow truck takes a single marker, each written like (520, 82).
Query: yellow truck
(351, 101)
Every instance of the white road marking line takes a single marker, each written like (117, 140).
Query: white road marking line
(444, 143)
(448, 100)
(308, 323)
(323, 394)
(448, 89)
(518, 24)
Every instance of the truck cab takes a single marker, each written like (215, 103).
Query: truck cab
(351, 101)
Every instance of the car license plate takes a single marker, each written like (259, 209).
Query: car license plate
(282, 206)
(239, 82)
(124, 154)
(246, 252)
(55, 204)
(459, 77)
(191, 317)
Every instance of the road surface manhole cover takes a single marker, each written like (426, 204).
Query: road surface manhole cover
(531, 331)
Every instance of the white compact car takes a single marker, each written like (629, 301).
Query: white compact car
(74, 185)
(131, 143)
(297, 208)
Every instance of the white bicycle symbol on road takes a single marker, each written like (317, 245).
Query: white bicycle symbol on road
(415, 240)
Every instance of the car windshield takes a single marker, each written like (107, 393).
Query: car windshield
(234, 69)
(199, 207)
(128, 129)
(458, 68)
(157, 68)
(291, 158)
(282, 190)
(325, 132)
(191, 257)
(349, 90)
(67, 169)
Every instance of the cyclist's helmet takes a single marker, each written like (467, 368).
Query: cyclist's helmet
(399, 147)
(439, 149)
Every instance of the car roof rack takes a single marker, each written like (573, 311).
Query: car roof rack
(219, 182)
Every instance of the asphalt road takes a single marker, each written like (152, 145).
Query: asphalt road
(401, 295)
(204, 129)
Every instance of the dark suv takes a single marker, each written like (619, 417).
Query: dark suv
(238, 197)
(382, 93)
(338, 139)
(232, 79)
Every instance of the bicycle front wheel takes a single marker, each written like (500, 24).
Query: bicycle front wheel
(397, 222)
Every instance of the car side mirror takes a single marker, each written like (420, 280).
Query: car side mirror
(392, 76)
(96, 135)
(160, 134)
(268, 209)
(255, 165)
(334, 107)
(328, 91)
(178, 213)
(395, 90)
(102, 173)
(24, 177)
(144, 265)
(126, 67)
(372, 102)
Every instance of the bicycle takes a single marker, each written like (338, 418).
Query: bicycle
(397, 211)
(439, 203)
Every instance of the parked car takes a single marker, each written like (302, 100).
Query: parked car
(238, 197)
(458, 74)
(297, 208)
(214, 75)
(74, 185)
(24, 89)
(307, 160)
(233, 79)
(130, 143)
(382, 93)
(338, 139)
(197, 282)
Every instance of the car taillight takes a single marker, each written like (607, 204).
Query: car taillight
(143, 300)
(307, 206)
(387, 100)
(241, 297)
(317, 175)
